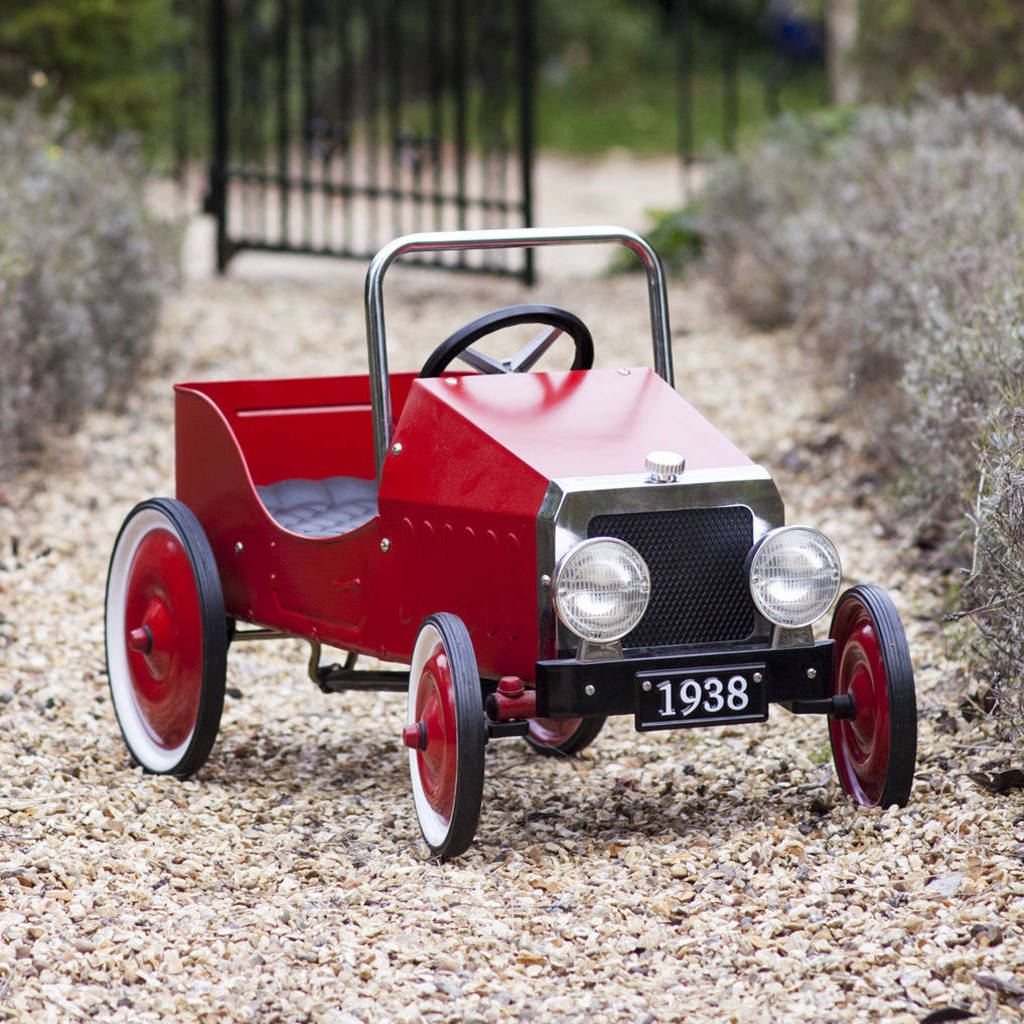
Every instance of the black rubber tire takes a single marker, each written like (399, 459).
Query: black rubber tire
(209, 633)
(509, 316)
(449, 831)
(578, 740)
(870, 774)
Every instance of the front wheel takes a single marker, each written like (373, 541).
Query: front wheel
(446, 735)
(875, 752)
(166, 640)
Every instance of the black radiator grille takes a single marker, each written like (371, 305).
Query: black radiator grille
(696, 556)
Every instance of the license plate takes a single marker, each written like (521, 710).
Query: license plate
(708, 696)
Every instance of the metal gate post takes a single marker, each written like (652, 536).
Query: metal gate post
(526, 81)
(216, 197)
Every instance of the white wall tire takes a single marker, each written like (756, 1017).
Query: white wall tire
(445, 708)
(166, 638)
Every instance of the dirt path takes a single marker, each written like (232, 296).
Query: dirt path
(705, 876)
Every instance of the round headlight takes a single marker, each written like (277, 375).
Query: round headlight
(601, 589)
(794, 576)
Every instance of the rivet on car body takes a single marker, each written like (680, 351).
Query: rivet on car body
(646, 687)
(385, 545)
(239, 548)
(589, 690)
(545, 580)
(812, 673)
(396, 448)
(758, 677)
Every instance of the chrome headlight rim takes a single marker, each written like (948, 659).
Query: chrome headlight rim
(560, 600)
(831, 578)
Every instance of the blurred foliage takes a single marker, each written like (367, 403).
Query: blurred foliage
(609, 75)
(607, 71)
(81, 273)
(680, 234)
(954, 46)
(677, 236)
(606, 76)
(117, 62)
(893, 239)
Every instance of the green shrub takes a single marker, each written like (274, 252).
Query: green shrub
(117, 62)
(80, 279)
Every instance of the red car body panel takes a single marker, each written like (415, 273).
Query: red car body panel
(459, 495)
(587, 422)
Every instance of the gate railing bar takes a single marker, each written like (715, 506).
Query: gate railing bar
(216, 201)
(372, 8)
(436, 112)
(283, 45)
(421, 261)
(526, 52)
(461, 146)
(306, 135)
(346, 86)
(394, 44)
(249, 175)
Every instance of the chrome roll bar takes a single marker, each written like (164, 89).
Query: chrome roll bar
(504, 238)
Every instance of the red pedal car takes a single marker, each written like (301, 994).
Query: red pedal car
(543, 549)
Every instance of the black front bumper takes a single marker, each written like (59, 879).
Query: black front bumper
(799, 678)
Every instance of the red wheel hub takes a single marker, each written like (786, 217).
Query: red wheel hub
(164, 638)
(435, 708)
(861, 745)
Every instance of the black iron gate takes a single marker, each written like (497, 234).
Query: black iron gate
(776, 40)
(340, 124)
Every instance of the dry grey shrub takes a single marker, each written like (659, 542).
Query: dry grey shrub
(994, 594)
(80, 278)
(895, 240)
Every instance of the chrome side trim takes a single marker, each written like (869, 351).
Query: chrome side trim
(505, 238)
(571, 502)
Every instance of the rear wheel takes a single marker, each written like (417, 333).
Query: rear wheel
(166, 639)
(445, 733)
(563, 737)
(875, 752)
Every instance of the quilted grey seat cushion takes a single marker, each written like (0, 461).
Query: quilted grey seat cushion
(321, 508)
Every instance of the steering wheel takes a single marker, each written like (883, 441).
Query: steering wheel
(559, 320)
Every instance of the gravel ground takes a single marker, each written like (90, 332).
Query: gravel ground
(705, 875)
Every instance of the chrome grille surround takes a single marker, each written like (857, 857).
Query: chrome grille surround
(572, 503)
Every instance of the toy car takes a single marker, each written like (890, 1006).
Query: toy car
(543, 549)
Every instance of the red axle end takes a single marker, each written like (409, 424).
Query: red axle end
(415, 736)
(141, 640)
